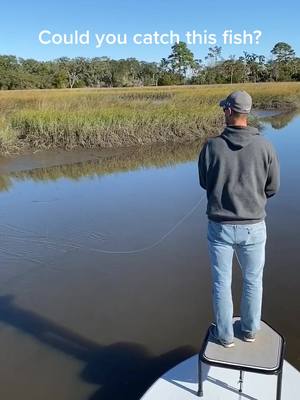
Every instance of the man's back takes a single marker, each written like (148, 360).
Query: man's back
(240, 170)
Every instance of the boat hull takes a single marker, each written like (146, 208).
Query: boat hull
(181, 383)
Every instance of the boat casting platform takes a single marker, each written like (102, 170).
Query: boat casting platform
(248, 371)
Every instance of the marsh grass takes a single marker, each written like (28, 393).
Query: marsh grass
(89, 118)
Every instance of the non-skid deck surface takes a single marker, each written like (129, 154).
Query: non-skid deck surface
(263, 354)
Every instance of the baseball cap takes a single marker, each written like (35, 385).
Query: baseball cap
(239, 101)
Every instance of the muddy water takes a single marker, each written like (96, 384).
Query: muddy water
(104, 272)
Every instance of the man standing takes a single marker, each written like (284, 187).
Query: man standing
(239, 170)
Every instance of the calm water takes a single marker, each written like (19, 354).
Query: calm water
(104, 272)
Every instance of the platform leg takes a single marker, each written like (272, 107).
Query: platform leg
(200, 383)
(241, 380)
(279, 381)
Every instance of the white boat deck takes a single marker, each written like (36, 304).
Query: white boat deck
(181, 383)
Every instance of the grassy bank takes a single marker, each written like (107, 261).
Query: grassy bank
(89, 118)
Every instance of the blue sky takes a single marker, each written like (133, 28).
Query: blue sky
(22, 21)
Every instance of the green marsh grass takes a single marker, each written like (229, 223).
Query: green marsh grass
(103, 118)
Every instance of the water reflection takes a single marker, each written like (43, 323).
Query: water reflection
(280, 120)
(5, 183)
(129, 159)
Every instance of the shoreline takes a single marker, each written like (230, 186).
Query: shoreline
(80, 162)
(114, 119)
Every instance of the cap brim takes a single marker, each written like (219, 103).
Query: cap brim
(222, 103)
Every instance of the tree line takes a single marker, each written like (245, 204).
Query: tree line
(179, 68)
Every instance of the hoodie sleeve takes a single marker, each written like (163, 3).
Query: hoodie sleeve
(202, 165)
(273, 179)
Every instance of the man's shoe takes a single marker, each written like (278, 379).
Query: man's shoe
(224, 343)
(249, 337)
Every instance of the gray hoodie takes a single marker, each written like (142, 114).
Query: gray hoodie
(239, 170)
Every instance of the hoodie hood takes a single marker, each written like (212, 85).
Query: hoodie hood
(239, 136)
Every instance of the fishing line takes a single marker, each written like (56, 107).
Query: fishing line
(78, 246)
(75, 245)
(157, 242)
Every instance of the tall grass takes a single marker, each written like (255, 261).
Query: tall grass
(43, 119)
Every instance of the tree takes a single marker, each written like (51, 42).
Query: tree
(283, 66)
(197, 76)
(178, 68)
(73, 67)
(296, 69)
(169, 78)
(181, 59)
(254, 68)
(283, 52)
(214, 53)
(229, 67)
(97, 72)
(37, 74)
(164, 65)
(9, 72)
(150, 73)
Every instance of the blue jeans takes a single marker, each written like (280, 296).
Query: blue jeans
(248, 243)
